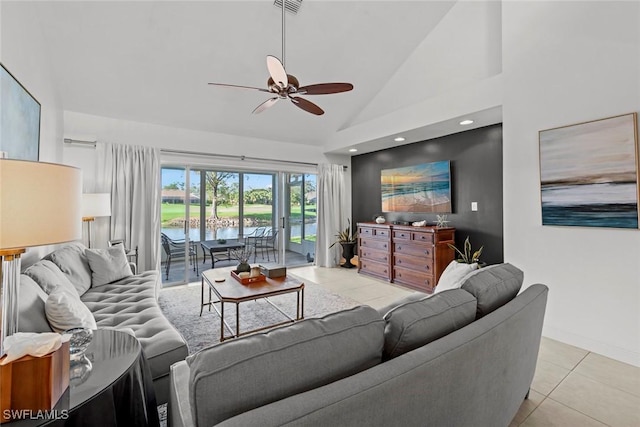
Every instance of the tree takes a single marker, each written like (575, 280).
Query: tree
(216, 181)
(174, 186)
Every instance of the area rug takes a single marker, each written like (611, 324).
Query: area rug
(181, 305)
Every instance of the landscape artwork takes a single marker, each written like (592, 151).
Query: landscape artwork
(421, 188)
(19, 119)
(589, 173)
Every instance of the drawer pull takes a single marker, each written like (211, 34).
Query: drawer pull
(399, 261)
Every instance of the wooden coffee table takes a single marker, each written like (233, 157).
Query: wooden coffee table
(232, 291)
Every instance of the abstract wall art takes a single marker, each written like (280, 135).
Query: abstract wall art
(589, 173)
(19, 119)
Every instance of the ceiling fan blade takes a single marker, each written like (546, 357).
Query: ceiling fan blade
(325, 88)
(241, 87)
(277, 72)
(307, 106)
(266, 104)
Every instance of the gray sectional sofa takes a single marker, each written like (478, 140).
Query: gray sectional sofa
(129, 303)
(463, 357)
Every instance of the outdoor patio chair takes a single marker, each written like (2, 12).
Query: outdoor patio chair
(268, 242)
(174, 249)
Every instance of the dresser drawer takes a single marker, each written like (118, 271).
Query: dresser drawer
(380, 233)
(374, 255)
(401, 235)
(422, 264)
(375, 268)
(421, 281)
(373, 243)
(413, 249)
(422, 237)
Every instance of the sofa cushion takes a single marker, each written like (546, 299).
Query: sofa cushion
(409, 298)
(108, 265)
(31, 314)
(248, 372)
(131, 303)
(72, 261)
(48, 276)
(417, 323)
(453, 276)
(493, 286)
(64, 311)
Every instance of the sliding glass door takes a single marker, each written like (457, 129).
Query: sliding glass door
(179, 209)
(299, 221)
(201, 205)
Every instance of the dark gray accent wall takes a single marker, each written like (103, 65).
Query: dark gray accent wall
(476, 176)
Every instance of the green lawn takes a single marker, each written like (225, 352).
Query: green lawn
(171, 211)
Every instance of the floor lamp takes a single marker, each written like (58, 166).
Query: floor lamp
(94, 205)
(39, 205)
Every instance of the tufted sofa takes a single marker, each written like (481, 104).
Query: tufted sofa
(462, 357)
(129, 303)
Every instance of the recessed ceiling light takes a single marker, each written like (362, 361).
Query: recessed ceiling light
(399, 139)
(353, 150)
(466, 122)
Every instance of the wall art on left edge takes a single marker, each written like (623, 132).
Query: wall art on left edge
(19, 119)
(589, 173)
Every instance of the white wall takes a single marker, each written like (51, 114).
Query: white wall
(24, 55)
(564, 63)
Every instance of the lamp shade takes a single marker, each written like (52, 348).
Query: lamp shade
(39, 203)
(96, 204)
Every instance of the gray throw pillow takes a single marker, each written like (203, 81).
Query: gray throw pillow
(417, 323)
(108, 265)
(493, 286)
(65, 311)
(248, 372)
(72, 261)
(48, 276)
(31, 311)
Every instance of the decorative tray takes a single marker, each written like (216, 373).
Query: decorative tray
(248, 280)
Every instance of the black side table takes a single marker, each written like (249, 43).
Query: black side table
(116, 391)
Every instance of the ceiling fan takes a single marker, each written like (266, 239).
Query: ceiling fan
(287, 86)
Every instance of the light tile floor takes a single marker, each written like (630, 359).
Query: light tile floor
(571, 387)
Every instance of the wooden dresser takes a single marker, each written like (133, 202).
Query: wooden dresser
(412, 256)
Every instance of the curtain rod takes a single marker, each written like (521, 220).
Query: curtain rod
(237, 157)
(197, 153)
(78, 141)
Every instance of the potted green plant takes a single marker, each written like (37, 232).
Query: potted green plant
(467, 255)
(348, 238)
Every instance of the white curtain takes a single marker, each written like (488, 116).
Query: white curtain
(332, 213)
(131, 174)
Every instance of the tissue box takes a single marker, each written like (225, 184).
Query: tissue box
(273, 270)
(35, 383)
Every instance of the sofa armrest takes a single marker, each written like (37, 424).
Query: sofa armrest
(179, 407)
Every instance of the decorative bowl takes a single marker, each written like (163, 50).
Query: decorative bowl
(80, 340)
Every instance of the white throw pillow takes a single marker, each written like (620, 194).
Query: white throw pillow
(452, 276)
(64, 311)
(108, 265)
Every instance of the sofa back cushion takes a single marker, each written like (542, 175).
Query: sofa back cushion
(31, 315)
(48, 276)
(493, 286)
(71, 260)
(245, 373)
(417, 323)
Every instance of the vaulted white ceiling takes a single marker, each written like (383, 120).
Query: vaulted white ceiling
(150, 61)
